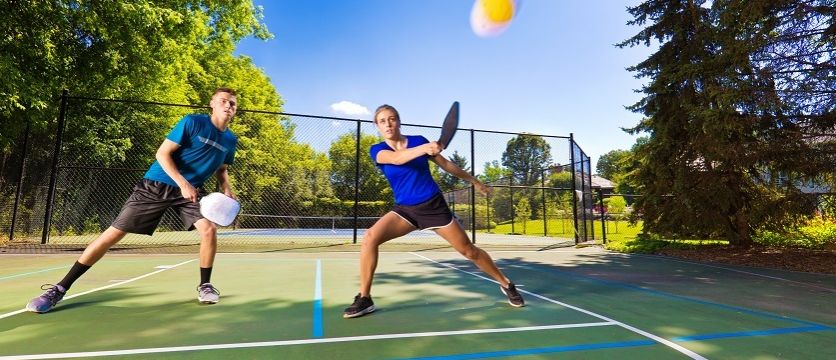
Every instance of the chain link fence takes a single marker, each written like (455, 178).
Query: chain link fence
(302, 181)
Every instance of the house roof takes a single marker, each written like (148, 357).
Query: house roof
(601, 183)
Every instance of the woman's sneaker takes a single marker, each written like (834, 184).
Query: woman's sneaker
(47, 300)
(208, 294)
(514, 297)
(362, 305)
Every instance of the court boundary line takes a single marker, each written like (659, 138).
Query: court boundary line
(659, 339)
(172, 349)
(658, 257)
(33, 272)
(9, 314)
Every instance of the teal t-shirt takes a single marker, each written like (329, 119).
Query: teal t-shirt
(203, 149)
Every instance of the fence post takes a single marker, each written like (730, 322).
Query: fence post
(545, 217)
(584, 177)
(513, 208)
(20, 174)
(59, 138)
(603, 215)
(472, 188)
(356, 181)
(574, 187)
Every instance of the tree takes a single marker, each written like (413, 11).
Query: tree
(523, 212)
(716, 120)
(525, 157)
(447, 181)
(610, 165)
(373, 186)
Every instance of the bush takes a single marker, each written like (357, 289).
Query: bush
(818, 233)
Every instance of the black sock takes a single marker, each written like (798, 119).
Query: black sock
(75, 272)
(205, 274)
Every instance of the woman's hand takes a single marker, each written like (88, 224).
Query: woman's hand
(482, 188)
(432, 148)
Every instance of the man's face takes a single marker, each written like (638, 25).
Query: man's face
(224, 104)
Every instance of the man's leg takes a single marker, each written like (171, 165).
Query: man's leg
(207, 294)
(90, 256)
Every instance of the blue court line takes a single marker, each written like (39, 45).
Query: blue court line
(33, 272)
(317, 306)
(678, 297)
(534, 351)
(752, 333)
(623, 344)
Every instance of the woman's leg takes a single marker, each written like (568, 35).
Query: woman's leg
(386, 228)
(455, 235)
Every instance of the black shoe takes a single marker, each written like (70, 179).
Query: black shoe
(362, 305)
(514, 297)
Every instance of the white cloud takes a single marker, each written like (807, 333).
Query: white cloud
(349, 108)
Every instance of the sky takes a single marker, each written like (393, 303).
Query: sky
(553, 71)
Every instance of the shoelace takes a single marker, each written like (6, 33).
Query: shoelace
(204, 289)
(52, 293)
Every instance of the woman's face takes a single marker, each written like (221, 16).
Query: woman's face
(388, 124)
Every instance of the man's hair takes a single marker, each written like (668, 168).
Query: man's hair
(226, 90)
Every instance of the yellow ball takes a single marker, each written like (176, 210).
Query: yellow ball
(498, 11)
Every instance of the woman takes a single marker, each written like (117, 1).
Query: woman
(419, 204)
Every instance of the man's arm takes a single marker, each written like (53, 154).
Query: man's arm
(164, 157)
(223, 180)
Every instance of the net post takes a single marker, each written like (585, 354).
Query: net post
(50, 198)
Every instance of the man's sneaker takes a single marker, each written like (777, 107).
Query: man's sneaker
(362, 305)
(47, 300)
(208, 294)
(514, 297)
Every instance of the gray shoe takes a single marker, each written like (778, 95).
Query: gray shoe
(208, 294)
(47, 300)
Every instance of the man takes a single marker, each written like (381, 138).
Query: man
(196, 148)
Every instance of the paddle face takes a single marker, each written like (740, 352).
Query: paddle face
(219, 208)
(451, 124)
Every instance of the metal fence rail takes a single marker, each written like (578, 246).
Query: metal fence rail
(71, 184)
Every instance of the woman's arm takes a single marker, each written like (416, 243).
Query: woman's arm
(400, 157)
(454, 169)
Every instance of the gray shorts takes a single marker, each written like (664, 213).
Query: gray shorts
(431, 214)
(143, 211)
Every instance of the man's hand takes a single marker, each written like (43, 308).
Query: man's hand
(189, 192)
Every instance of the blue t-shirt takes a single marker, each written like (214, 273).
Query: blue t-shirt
(412, 182)
(203, 149)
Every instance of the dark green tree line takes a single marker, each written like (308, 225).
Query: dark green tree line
(737, 93)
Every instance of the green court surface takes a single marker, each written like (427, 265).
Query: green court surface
(581, 303)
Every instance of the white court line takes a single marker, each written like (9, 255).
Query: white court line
(736, 270)
(297, 342)
(104, 287)
(657, 338)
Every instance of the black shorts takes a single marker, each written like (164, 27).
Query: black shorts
(431, 214)
(143, 211)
